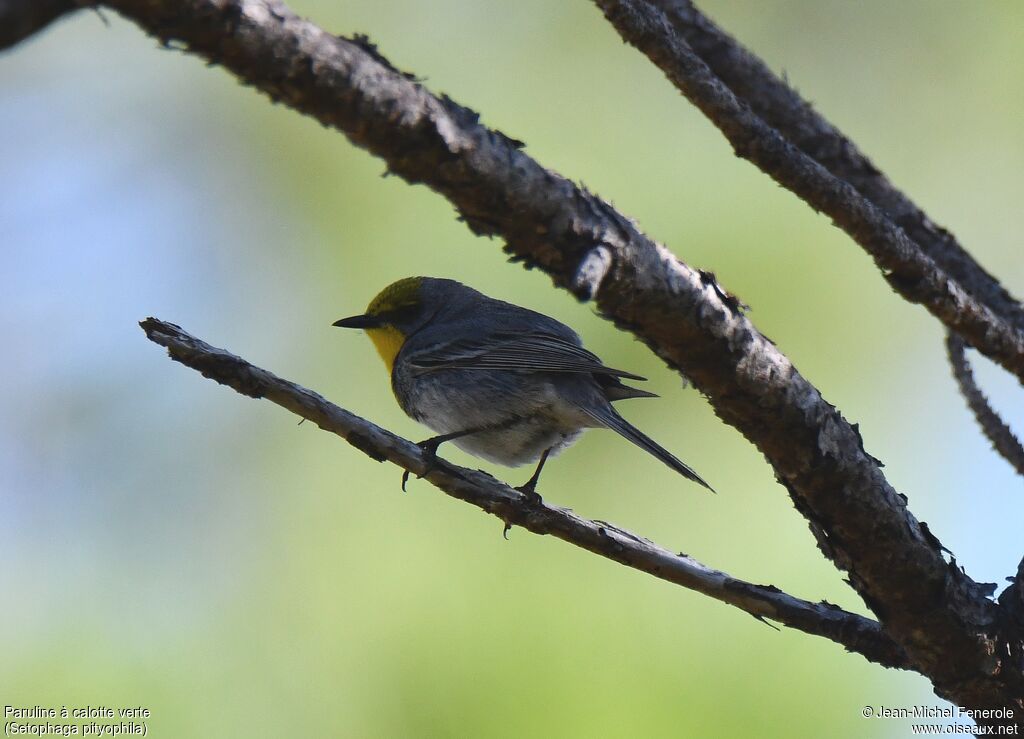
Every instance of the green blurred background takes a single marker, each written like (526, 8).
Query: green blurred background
(167, 542)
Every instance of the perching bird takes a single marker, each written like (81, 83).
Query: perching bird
(501, 382)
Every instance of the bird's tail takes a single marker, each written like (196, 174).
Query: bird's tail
(608, 418)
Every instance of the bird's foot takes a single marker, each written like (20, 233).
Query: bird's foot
(429, 449)
(529, 492)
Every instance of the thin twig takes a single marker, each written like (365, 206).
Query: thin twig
(782, 107)
(994, 428)
(855, 633)
(907, 268)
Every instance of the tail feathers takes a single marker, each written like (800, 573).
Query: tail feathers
(608, 418)
(619, 391)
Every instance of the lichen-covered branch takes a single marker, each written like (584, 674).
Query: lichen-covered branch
(994, 428)
(781, 107)
(907, 268)
(855, 633)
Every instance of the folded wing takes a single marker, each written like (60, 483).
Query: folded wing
(523, 352)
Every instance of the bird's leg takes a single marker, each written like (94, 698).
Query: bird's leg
(529, 489)
(429, 446)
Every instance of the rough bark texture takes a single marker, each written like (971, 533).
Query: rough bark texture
(781, 107)
(995, 430)
(906, 267)
(855, 633)
(946, 624)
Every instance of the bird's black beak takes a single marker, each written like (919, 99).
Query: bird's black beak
(359, 322)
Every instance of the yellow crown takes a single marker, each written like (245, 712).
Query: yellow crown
(397, 294)
(387, 339)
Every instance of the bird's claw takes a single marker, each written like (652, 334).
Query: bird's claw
(532, 496)
(429, 449)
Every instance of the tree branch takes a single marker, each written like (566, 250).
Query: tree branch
(1012, 600)
(997, 432)
(20, 19)
(911, 272)
(855, 633)
(781, 107)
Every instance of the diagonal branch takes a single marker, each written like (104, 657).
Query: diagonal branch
(781, 107)
(907, 268)
(942, 619)
(855, 633)
(994, 428)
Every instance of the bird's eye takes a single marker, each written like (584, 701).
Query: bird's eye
(403, 313)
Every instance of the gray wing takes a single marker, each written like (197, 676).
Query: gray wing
(524, 352)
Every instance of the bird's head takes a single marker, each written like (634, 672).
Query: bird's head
(396, 312)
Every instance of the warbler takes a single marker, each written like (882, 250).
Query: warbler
(501, 382)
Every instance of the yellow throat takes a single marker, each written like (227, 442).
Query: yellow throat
(387, 339)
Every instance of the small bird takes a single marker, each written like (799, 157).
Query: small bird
(501, 382)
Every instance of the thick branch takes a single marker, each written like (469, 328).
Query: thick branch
(941, 618)
(855, 633)
(997, 432)
(907, 268)
(781, 107)
(1012, 599)
(19, 19)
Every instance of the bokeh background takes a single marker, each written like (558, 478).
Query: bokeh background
(166, 542)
